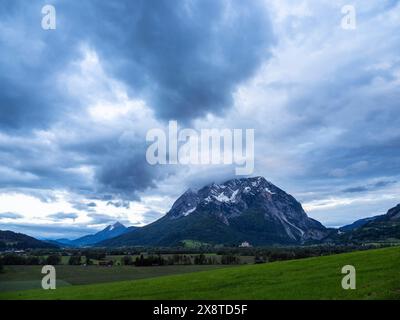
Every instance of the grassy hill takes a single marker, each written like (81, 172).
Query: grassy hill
(378, 277)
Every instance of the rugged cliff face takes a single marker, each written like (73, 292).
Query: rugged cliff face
(250, 209)
(236, 198)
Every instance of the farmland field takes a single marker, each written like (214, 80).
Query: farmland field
(29, 277)
(378, 277)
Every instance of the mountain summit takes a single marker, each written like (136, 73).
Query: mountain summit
(248, 209)
(237, 198)
(109, 232)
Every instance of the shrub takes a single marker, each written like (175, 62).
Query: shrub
(230, 259)
(53, 260)
(127, 260)
(75, 260)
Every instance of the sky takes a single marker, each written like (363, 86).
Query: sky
(77, 101)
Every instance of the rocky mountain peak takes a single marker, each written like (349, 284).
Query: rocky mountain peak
(237, 197)
(235, 191)
(116, 225)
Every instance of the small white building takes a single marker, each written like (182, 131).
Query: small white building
(245, 245)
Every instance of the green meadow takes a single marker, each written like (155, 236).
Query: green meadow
(29, 277)
(378, 277)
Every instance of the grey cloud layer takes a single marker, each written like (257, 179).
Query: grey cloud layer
(184, 59)
(10, 215)
(325, 109)
(62, 216)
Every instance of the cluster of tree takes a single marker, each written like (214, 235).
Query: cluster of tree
(202, 259)
(53, 259)
(150, 261)
(75, 260)
(127, 260)
(230, 259)
(17, 260)
(94, 254)
(122, 252)
(269, 254)
(179, 259)
(185, 259)
(174, 256)
(1, 266)
(156, 260)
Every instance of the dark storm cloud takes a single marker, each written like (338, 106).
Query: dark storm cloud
(355, 115)
(121, 169)
(119, 204)
(30, 60)
(127, 174)
(184, 59)
(375, 159)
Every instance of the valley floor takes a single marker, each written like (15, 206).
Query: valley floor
(378, 277)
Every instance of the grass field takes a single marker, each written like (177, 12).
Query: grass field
(29, 277)
(378, 277)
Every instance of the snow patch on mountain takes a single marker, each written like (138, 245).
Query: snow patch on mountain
(237, 198)
(223, 198)
(269, 191)
(186, 213)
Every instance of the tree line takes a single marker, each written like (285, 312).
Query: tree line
(17, 260)
(178, 259)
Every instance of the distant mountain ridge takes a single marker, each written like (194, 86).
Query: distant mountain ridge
(109, 232)
(376, 229)
(248, 209)
(358, 223)
(13, 240)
